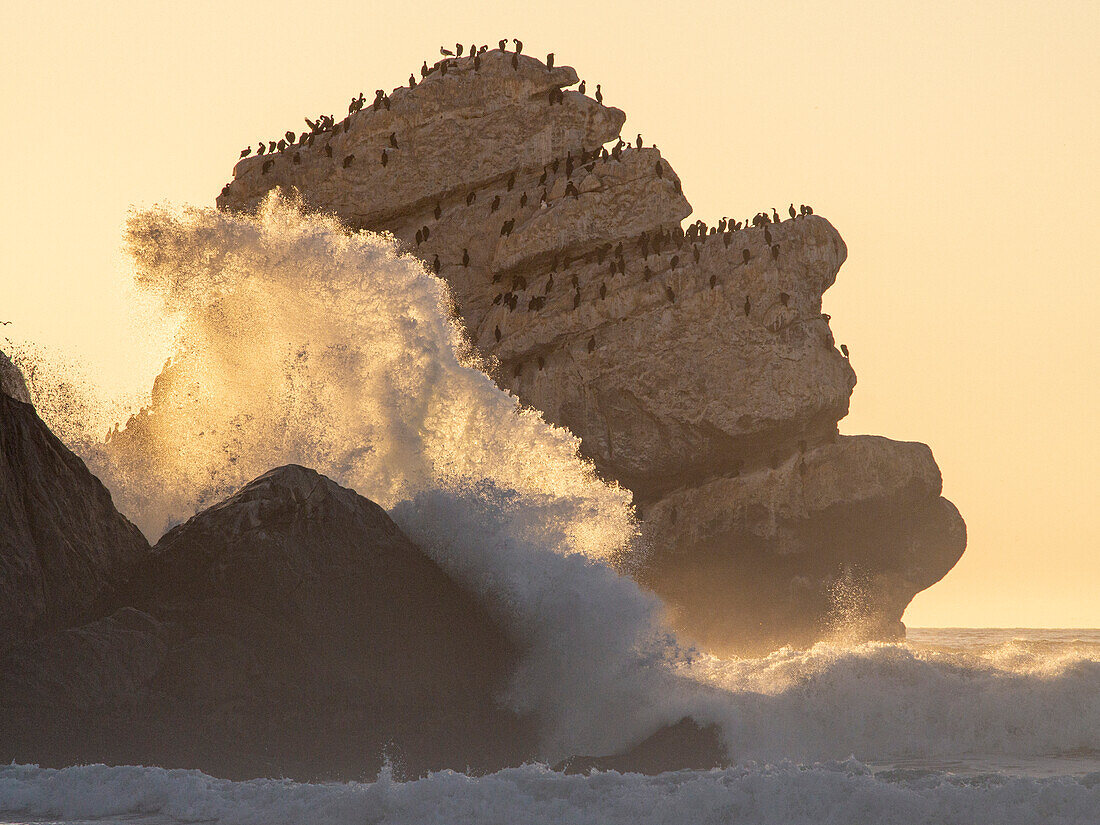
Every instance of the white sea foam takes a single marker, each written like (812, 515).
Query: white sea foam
(829, 794)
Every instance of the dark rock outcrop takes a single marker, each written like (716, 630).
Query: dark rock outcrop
(686, 745)
(291, 630)
(63, 546)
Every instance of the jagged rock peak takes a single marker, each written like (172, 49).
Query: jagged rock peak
(64, 549)
(12, 382)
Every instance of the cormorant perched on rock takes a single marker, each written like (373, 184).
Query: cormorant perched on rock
(746, 256)
(603, 291)
(554, 165)
(790, 211)
(638, 140)
(495, 205)
(670, 294)
(412, 80)
(436, 265)
(549, 284)
(784, 298)
(550, 61)
(775, 216)
(519, 45)
(419, 237)
(458, 49)
(503, 43)
(349, 160)
(437, 211)
(599, 94)
(426, 232)
(767, 236)
(542, 180)
(385, 157)
(713, 281)
(574, 279)
(497, 299)
(471, 198)
(581, 88)
(262, 149)
(511, 181)
(442, 71)
(328, 151)
(675, 262)
(446, 52)
(542, 363)
(523, 200)
(572, 190)
(512, 302)
(246, 152)
(509, 224)
(775, 252)
(515, 61)
(393, 140)
(289, 136)
(748, 306)
(281, 145)
(465, 257)
(496, 333)
(477, 62)
(844, 349)
(267, 166)
(576, 299)
(424, 69)
(592, 344)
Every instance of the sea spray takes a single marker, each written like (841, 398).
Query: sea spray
(300, 342)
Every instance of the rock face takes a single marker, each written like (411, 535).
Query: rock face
(291, 630)
(63, 546)
(699, 372)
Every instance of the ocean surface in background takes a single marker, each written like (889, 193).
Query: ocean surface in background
(934, 786)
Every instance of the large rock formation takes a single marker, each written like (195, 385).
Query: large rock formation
(63, 546)
(700, 373)
(291, 630)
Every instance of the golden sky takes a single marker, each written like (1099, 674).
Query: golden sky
(954, 146)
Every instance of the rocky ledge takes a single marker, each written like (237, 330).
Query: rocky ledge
(291, 630)
(696, 367)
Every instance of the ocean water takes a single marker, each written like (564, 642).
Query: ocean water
(1022, 776)
(299, 342)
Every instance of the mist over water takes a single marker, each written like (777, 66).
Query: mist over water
(300, 342)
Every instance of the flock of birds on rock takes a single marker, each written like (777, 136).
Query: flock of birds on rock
(673, 240)
(326, 124)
